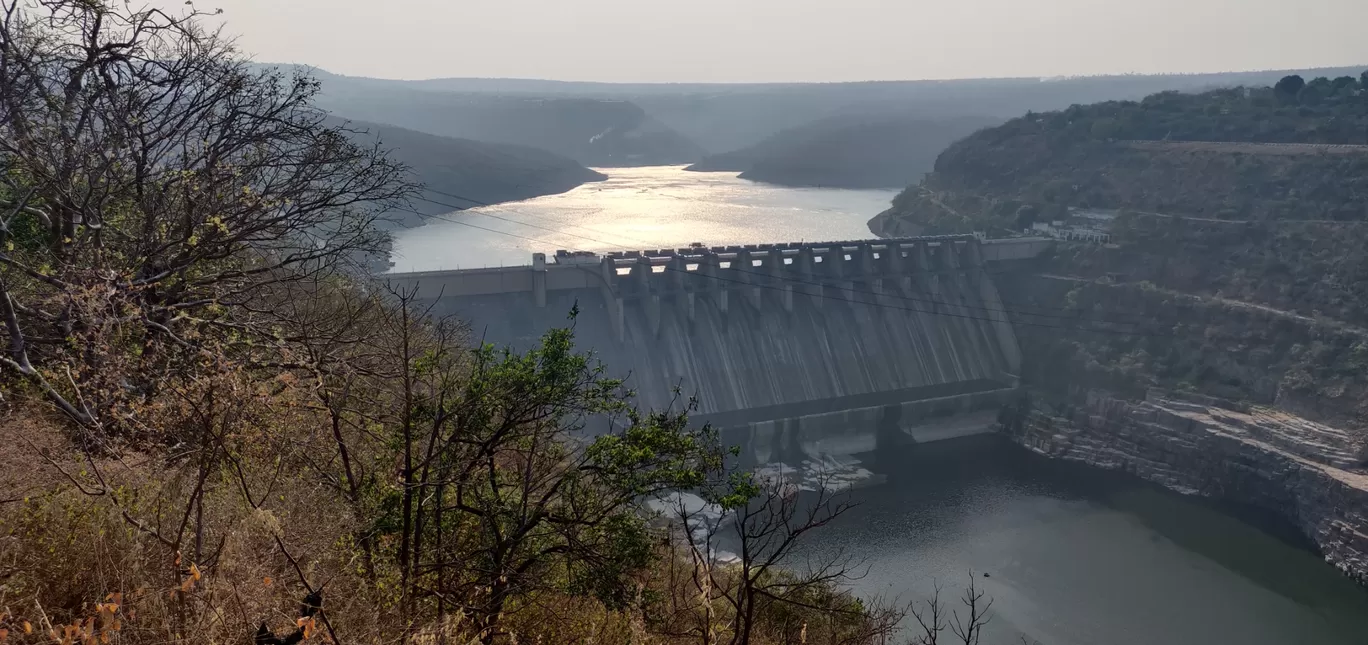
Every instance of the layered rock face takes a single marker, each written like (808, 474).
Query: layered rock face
(1312, 474)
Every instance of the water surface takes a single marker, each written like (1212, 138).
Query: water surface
(1078, 556)
(639, 208)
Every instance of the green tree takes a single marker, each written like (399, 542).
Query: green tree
(506, 493)
(1289, 87)
(166, 178)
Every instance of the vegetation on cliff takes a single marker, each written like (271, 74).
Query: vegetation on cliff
(1233, 268)
(1129, 337)
(1145, 156)
(1322, 111)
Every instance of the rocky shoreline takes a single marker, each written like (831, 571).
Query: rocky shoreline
(1309, 473)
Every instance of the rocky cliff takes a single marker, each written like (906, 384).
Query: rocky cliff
(1309, 473)
(1225, 263)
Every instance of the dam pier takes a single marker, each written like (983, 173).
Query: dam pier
(792, 349)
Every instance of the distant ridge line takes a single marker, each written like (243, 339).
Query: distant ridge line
(1248, 147)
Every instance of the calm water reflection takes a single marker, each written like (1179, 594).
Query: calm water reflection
(1083, 557)
(636, 208)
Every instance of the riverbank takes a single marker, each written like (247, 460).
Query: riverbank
(1306, 472)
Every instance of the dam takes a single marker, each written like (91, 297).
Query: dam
(786, 347)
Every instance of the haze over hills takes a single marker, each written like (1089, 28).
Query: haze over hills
(592, 131)
(720, 117)
(871, 151)
(854, 135)
(477, 170)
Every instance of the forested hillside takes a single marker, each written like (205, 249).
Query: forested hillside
(484, 172)
(593, 132)
(726, 117)
(1234, 267)
(1089, 156)
(875, 151)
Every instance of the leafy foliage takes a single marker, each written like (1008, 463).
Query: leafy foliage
(237, 417)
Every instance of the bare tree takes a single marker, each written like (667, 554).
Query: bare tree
(153, 186)
(766, 518)
(768, 527)
(692, 605)
(969, 628)
(930, 615)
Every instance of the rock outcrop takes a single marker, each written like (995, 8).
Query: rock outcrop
(1309, 473)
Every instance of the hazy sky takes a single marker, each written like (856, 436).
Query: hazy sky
(794, 40)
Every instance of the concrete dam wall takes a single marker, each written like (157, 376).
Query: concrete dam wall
(790, 343)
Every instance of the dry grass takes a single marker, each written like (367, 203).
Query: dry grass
(21, 437)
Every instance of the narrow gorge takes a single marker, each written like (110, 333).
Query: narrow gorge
(1200, 322)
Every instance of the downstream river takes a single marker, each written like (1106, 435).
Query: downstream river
(639, 208)
(1079, 556)
(1074, 556)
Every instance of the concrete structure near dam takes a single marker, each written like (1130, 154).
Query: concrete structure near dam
(805, 346)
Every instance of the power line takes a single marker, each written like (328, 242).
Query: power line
(936, 313)
(482, 228)
(874, 304)
(513, 221)
(641, 244)
(766, 275)
(981, 270)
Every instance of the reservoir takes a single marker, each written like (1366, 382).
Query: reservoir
(638, 208)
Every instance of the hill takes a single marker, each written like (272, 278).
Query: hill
(722, 117)
(486, 172)
(875, 151)
(1234, 266)
(591, 131)
(1193, 155)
